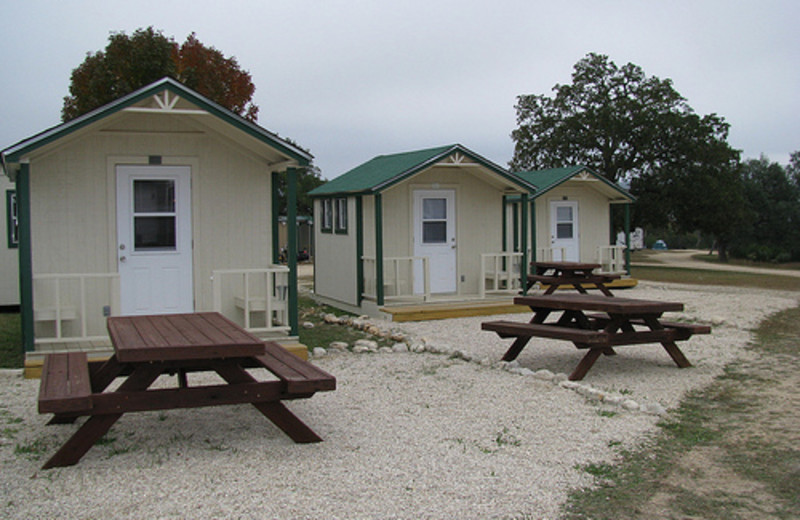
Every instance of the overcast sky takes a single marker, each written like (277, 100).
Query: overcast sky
(353, 79)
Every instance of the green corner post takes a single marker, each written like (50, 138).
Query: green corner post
(628, 238)
(523, 268)
(379, 249)
(533, 230)
(23, 188)
(291, 247)
(276, 211)
(359, 249)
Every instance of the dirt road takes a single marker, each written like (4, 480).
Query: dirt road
(684, 258)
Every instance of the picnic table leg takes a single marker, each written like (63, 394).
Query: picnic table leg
(97, 425)
(82, 440)
(516, 347)
(275, 411)
(670, 346)
(586, 363)
(676, 354)
(604, 289)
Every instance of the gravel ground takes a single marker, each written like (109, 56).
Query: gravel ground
(406, 435)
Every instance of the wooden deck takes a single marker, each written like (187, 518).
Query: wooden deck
(462, 309)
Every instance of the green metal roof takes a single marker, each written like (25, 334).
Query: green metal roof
(546, 180)
(384, 171)
(16, 152)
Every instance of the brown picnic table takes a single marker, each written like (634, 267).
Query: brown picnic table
(146, 347)
(599, 324)
(579, 275)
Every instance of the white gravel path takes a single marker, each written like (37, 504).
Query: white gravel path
(406, 435)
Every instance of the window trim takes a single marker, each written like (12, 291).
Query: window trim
(340, 215)
(326, 208)
(12, 219)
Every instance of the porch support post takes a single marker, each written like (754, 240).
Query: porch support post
(505, 224)
(628, 238)
(379, 248)
(276, 211)
(533, 231)
(523, 268)
(291, 247)
(359, 249)
(23, 188)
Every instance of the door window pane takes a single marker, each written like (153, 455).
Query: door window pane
(154, 233)
(154, 196)
(564, 230)
(564, 214)
(434, 209)
(434, 232)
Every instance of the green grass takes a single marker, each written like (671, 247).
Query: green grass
(10, 342)
(714, 259)
(712, 277)
(323, 334)
(723, 419)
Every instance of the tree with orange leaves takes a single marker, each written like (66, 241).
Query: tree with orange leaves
(131, 62)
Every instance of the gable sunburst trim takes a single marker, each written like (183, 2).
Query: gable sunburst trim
(165, 104)
(457, 159)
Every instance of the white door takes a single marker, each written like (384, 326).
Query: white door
(564, 230)
(435, 238)
(154, 239)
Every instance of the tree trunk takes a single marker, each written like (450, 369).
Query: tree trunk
(722, 248)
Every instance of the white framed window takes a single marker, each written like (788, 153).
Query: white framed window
(341, 215)
(12, 219)
(327, 215)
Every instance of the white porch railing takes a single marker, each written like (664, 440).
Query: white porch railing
(611, 259)
(73, 307)
(501, 271)
(401, 275)
(256, 299)
(549, 254)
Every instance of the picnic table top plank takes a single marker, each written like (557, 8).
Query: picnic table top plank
(180, 337)
(595, 302)
(564, 265)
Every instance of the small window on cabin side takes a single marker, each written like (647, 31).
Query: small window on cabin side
(12, 219)
(341, 216)
(327, 215)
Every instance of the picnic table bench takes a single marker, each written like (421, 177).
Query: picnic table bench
(147, 347)
(579, 275)
(621, 321)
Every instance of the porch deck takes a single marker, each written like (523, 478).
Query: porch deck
(440, 310)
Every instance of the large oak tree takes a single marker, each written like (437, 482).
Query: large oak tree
(131, 62)
(638, 128)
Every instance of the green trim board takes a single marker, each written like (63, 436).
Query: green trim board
(523, 271)
(384, 171)
(25, 256)
(359, 250)
(379, 249)
(275, 201)
(15, 153)
(291, 247)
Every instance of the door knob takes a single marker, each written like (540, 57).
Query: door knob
(122, 259)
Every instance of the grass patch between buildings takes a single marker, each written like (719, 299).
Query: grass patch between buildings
(10, 342)
(727, 452)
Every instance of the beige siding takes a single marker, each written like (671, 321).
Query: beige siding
(73, 198)
(593, 218)
(478, 219)
(9, 260)
(335, 262)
